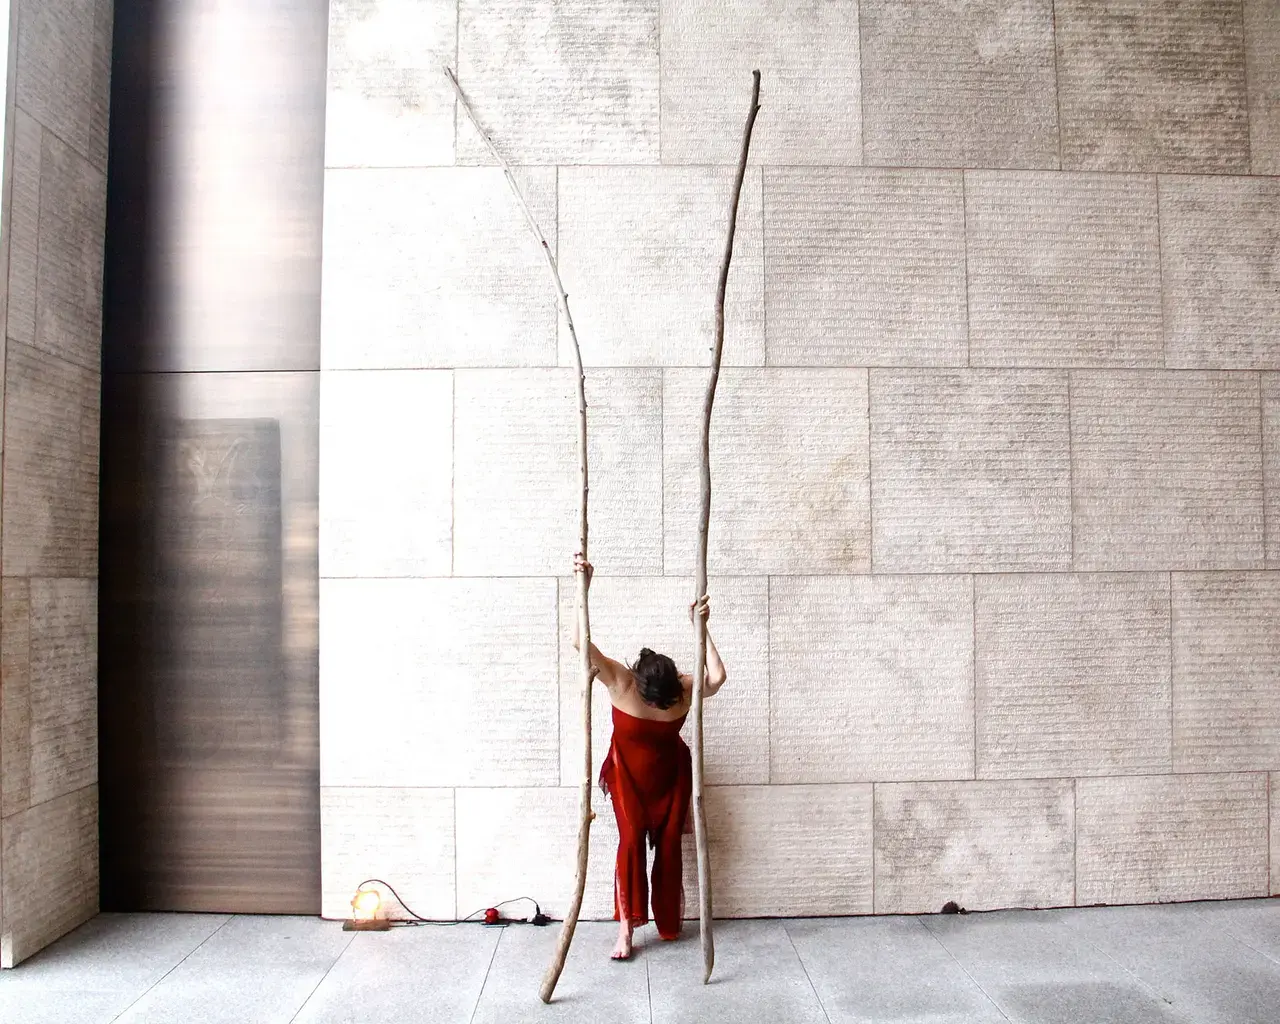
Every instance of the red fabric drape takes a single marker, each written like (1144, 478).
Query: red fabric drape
(648, 775)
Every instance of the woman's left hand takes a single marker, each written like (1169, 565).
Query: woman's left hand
(702, 607)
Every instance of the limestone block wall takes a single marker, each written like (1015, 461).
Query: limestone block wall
(995, 544)
(54, 217)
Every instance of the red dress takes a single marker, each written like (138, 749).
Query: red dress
(648, 774)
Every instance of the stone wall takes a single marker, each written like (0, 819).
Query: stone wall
(55, 203)
(995, 533)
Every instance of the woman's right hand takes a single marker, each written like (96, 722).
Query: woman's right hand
(580, 564)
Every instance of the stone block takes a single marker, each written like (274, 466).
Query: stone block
(1262, 44)
(970, 85)
(1271, 464)
(1072, 674)
(441, 682)
(404, 836)
(557, 83)
(1275, 833)
(970, 471)
(788, 851)
(864, 267)
(1226, 644)
(73, 211)
(57, 68)
(642, 287)
(24, 226)
(1166, 470)
(63, 686)
(630, 613)
(1220, 237)
(1064, 269)
(1158, 839)
(386, 473)
(516, 479)
(388, 103)
(50, 884)
(525, 842)
(807, 55)
(871, 678)
(50, 487)
(983, 845)
(789, 477)
(15, 697)
(1152, 85)
(435, 267)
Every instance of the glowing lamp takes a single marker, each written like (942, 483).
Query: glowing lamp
(364, 913)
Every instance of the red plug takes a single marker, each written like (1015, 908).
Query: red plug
(491, 916)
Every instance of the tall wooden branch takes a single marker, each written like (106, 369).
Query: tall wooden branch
(584, 619)
(700, 582)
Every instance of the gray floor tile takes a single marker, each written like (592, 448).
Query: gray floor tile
(886, 969)
(1038, 970)
(592, 988)
(426, 975)
(254, 970)
(1256, 923)
(758, 977)
(1197, 967)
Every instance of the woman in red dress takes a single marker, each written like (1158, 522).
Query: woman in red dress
(648, 775)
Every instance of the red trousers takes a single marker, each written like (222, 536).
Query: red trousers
(648, 775)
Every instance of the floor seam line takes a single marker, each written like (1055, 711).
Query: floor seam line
(480, 995)
(1142, 982)
(1226, 927)
(316, 987)
(814, 988)
(142, 995)
(964, 970)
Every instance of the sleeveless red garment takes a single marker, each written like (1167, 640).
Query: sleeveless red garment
(648, 774)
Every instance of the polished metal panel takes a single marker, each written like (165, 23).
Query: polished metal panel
(209, 570)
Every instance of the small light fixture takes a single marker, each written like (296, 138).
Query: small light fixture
(364, 913)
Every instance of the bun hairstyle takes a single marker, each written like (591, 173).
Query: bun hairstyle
(657, 679)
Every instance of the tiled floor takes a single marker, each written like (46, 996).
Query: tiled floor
(1192, 963)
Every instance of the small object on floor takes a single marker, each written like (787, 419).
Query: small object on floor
(366, 924)
(491, 916)
(952, 907)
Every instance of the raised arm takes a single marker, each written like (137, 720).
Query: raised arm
(611, 673)
(716, 672)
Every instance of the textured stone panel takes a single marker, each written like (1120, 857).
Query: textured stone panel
(970, 470)
(1072, 674)
(1271, 464)
(386, 473)
(899, 703)
(807, 55)
(557, 83)
(57, 62)
(630, 613)
(1275, 833)
(388, 103)
(516, 479)
(864, 267)
(64, 686)
(404, 836)
(1220, 238)
(50, 857)
(789, 850)
(438, 682)
(1152, 85)
(435, 267)
(50, 487)
(643, 286)
(24, 226)
(959, 85)
(15, 697)
(788, 471)
(1156, 839)
(525, 842)
(1166, 470)
(1064, 270)
(1226, 646)
(1262, 44)
(73, 210)
(100, 98)
(982, 844)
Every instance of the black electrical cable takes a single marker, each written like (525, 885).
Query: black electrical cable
(418, 919)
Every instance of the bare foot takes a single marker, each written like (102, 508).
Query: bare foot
(622, 951)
